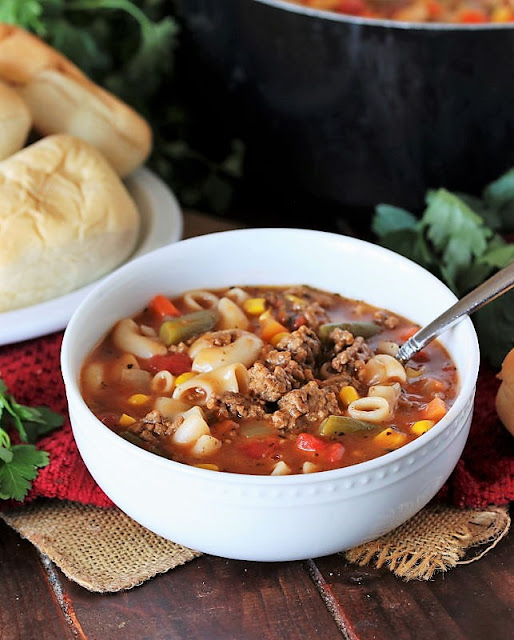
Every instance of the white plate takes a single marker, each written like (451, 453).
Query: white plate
(162, 223)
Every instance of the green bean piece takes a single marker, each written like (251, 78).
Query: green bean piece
(186, 326)
(363, 329)
(339, 425)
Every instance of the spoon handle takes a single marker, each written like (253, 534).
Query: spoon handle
(488, 291)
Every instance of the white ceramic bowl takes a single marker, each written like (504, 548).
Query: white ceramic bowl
(270, 518)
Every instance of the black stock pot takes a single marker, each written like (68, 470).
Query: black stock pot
(357, 111)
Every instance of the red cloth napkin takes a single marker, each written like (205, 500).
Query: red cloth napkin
(484, 475)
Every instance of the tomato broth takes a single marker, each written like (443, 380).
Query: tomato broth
(266, 380)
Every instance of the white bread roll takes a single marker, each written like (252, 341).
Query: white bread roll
(62, 99)
(66, 219)
(505, 395)
(15, 121)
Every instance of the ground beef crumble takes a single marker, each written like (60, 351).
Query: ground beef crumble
(235, 406)
(310, 403)
(386, 319)
(154, 425)
(300, 305)
(303, 345)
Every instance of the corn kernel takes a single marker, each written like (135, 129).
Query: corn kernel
(348, 394)
(138, 399)
(422, 426)
(126, 420)
(255, 306)
(207, 465)
(413, 373)
(278, 336)
(295, 300)
(390, 439)
(501, 14)
(183, 377)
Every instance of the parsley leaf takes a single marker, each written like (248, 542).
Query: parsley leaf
(16, 476)
(456, 232)
(458, 237)
(19, 463)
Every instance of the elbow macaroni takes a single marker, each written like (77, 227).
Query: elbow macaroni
(231, 316)
(232, 377)
(244, 349)
(195, 432)
(371, 409)
(383, 368)
(127, 337)
(198, 299)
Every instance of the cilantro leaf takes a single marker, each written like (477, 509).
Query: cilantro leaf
(411, 244)
(6, 455)
(458, 238)
(19, 463)
(27, 14)
(389, 219)
(30, 422)
(16, 476)
(499, 195)
(457, 233)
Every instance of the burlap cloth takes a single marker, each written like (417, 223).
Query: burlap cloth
(104, 550)
(70, 520)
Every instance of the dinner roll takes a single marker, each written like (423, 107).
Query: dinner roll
(62, 99)
(15, 121)
(66, 219)
(505, 395)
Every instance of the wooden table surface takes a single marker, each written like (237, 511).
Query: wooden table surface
(211, 598)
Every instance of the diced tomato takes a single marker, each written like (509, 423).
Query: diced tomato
(298, 322)
(257, 448)
(421, 356)
(162, 306)
(435, 10)
(175, 363)
(407, 333)
(352, 7)
(335, 452)
(472, 16)
(308, 442)
(329, 451)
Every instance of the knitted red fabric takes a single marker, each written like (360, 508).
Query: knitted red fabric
(484, 475)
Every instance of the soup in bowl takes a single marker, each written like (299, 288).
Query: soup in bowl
(238, 392)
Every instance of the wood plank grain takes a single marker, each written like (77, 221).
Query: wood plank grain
(469, 602)
(210, 598)
(29, 609)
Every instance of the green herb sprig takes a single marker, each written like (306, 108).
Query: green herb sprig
(19, 463)
(462, 240)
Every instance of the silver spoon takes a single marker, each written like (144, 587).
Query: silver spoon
(488, 291)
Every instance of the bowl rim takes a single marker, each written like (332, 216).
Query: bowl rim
(325, 14)
(467, 379)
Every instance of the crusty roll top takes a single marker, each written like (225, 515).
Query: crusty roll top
(62, 99)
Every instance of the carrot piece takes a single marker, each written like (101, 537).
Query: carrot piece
(270, 327)
(160, 305)
(407, 333)
(434, 410)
